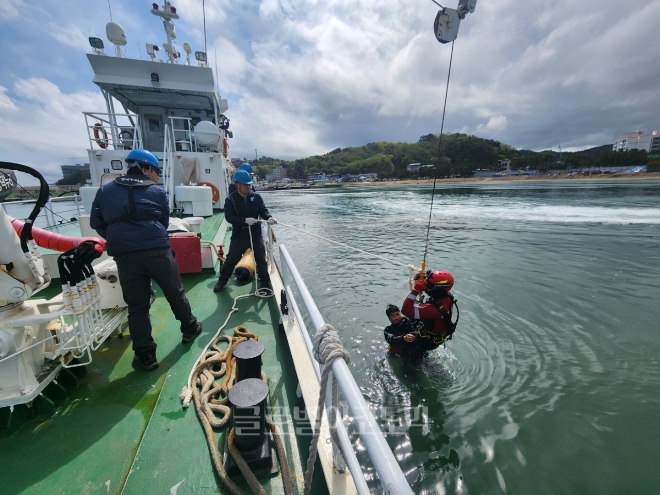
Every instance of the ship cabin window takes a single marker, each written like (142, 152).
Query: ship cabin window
(117, 165)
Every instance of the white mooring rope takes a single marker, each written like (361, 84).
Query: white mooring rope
(327, 348)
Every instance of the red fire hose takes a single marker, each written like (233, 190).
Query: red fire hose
(57, 242)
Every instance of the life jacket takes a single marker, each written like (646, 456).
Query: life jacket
(131, 182)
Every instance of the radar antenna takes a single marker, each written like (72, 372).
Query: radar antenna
(167, 13)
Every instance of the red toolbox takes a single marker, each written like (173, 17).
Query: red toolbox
(187, 252)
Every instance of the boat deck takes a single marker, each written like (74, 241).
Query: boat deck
(124, 431)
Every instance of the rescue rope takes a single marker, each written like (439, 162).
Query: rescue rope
(206, 388)
(327, 348)
(263, 292)
(435, 175)
(394, 262)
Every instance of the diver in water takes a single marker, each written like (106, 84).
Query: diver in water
(401, 335)
(436, 312)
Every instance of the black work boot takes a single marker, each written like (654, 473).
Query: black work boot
(192, 334)
(146, 361)
(219, 285)
(265, 284)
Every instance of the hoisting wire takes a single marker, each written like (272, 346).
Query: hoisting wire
(394, 262)
(435, 175)
(411, 268)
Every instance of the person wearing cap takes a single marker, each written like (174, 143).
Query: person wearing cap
(248, 168)
(401, 335)
(243, 208)
(132, 214)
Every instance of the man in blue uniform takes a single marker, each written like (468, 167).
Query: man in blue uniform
(243, 208)
(132, 214)
(244, 166)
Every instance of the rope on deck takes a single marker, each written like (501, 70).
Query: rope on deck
(263, 292)
(327, 348)
(214, 365)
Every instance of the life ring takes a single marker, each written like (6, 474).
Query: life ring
(103, 143)
(225, 147)
(214, 190)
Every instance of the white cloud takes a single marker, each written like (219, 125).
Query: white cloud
(307, 76)
(6, 105)
(43, 126)
(70, 35)
(495, 123)
(10, 9)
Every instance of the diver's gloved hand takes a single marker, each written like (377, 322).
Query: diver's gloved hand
(251, 221)
(272, 221)
(420, 286)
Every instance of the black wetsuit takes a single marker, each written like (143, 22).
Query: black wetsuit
(394, 336)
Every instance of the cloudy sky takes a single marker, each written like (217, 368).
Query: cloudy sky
(306, 76)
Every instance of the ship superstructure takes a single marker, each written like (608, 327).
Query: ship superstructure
(170, 108)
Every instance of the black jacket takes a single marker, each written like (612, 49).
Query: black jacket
(111, 203)
(237, 209)
(394, 336)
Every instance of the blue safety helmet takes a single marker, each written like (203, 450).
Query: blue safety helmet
(142, 157)
(242, 177)
(247, 167)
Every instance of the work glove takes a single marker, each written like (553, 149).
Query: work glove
(251, 221)
(87, 252)
(272, 221)
(420, 286)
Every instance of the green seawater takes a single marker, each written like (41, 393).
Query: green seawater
(551, 384)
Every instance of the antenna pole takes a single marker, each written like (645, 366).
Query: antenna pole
(204, 14)
(110, 10)
(217, 85)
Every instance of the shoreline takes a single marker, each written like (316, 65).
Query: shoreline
(519, 178)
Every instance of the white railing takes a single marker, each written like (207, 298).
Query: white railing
(52, 216)
(105, 132)
(389, 472)
(168, 162)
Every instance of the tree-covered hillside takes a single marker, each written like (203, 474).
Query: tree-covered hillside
(459, 154)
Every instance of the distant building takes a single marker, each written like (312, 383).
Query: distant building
(278, 173)
(485, 172)
(414, 167)
(638, 141)
(320, 177)
(505, 165)
(75, 174)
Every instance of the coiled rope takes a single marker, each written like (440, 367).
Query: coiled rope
(217, 364)
(327, 348)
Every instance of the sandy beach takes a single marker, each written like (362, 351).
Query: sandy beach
(519, 178)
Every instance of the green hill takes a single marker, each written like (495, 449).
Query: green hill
(460, 154)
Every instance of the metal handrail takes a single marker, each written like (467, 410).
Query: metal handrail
(385, 464)
(47, 211)
(168, 172)
(110, 132)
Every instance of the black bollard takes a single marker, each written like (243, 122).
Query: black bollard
(248, 359)
(249, 403)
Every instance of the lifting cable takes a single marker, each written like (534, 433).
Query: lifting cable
(435, 175)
